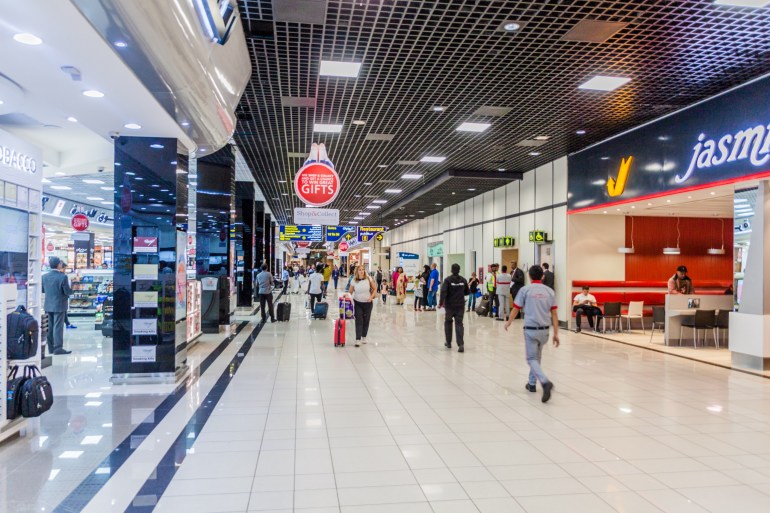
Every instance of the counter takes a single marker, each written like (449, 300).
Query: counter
(679, 306)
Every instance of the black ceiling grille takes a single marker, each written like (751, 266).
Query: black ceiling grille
(419, 54)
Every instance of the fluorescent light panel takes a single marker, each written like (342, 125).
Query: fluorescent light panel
(604, 83)
(411, 176)
(435, 160)
(743, 3)
(473, 127)
(339, 69)
(327, 128)
(391, 191)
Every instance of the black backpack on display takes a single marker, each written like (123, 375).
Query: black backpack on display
(36, 393)
(13, 393)
(23, 333)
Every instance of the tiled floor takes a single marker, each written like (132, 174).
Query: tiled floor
(404, 425)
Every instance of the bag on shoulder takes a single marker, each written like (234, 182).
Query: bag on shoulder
(23, 334)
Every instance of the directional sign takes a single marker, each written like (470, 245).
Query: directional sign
(367, 233)
(301, 233)
(336, 233)
(349, 236)
(379, 236)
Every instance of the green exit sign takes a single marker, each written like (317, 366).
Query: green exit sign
(505, 242)
(538, 236)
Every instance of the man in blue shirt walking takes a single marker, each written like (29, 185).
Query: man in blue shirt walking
(433, 284)
(265, 284)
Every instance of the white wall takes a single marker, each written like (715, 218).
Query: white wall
(593, 247)
(507, 211)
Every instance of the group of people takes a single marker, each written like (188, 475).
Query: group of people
(502, 287)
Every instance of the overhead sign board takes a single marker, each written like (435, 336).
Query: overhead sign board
(504, 242)
(336, 233)
(20, 162)
(720, 141)
(343, 246)
(317, 183)
(296, 233)
(537, 236)
(367, 233)
(79, 222)
(436, 249)
(314, 216)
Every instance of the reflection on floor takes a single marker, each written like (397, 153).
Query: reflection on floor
(404, 425)
(707, 353)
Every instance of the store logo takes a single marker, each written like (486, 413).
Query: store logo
(616, 186)
(218, 18)
(17, 160)
(752, 143)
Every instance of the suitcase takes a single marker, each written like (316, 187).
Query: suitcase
(283, 311)
(339, 333)
(36, 393)
(13, 394)
(483, 308)
(320, 310)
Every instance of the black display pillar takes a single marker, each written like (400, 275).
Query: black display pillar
(150, 284)
(259, 234)
(244, 247)
(215, 215)
(269, 243)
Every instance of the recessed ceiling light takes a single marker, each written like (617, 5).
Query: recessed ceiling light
(382, 165)
(435, 160)
(367, 183)
(471, 190)
(712, 193)
(156, 146)
(438, 204)
(512, 26)
(542, 137)
(473, 127)
(438, 108)
(107, 188)
(581, 132)
(352, 222)
(61, 173)
(46, 180)
(649, 204)
(632, 206)
(72, 119)
(339, 69)
(284, 194)
(604, 83)
(374, 206)
(132, 126)
(95, 198)
(668, 201)
(381, 202)
(604, 212)
(92, 93)
(93, 182)
(1, 102)
(420, 211)
(358, 195)
(359, 122)
(391, 191)
(327, 128)
(410, 176)
(27, 39)
(120, 44)
(107, 203)
(743, 3)
(535, 153)
(501, 169)
(61, 188)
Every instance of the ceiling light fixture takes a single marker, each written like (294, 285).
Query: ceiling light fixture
(132, 126)
(391, 191)
(604, 83)
(92, 93)
(27, 39)
(382, 165)
(157, 146)
(379, 201)
(61, 188)
(719, 251)
(676, 250)
(581, 132)
(473, 127)
(438, 108)
(502, 169)
(410, 176)
(95, 198)
(72, 119)
(120, 44)
(359, 122)
(512, 26)
(93, 182)
(471, 190)
(756, 4)
(542, 137)
(629, 250)
(327, 128)
(535, 153)
(339, 69)
(433, 160)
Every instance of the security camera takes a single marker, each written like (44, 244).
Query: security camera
(114, 135)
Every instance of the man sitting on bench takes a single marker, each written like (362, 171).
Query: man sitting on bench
(585, 304)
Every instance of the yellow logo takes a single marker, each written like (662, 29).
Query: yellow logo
(615, 187)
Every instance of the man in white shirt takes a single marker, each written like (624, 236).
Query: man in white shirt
(585, 303)
(315, 287)
(503, 294)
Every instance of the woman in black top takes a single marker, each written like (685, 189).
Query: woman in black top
(425, 279)
(473, 285)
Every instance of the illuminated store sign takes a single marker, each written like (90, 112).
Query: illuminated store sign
(720, 141)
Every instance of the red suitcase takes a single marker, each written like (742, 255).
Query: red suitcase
(339, 333)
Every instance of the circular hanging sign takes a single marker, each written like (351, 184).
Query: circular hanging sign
(317, 184)
(79, 222)
(302, 244)
(49, 247)
(343, 246)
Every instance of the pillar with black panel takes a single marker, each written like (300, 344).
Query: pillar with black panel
(244, 248)
(150, 283)
(259, 234)
(215, 258)
(269, 242)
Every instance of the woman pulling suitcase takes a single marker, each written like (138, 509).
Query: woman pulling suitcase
(364, 290)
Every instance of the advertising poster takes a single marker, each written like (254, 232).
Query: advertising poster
(145, 272)
(146, 299)
(181, 275)
(144, 326)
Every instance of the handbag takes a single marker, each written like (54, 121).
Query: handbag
(418, 291)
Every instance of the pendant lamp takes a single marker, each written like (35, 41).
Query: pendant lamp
(631, 249)
(719, 251)
(676, 250)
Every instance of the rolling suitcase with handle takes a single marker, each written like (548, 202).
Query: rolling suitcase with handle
(283, 311)
(320, 310)
(339, 333)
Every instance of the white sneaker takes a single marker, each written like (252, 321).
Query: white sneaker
(363, 340)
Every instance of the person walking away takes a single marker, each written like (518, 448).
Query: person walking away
(424, 277)
(315, 287)
(401, 286)
(265, 284)
(384, 291)
(517, 280)
(335, 276)
(491, 283)
(285, 279)
(378, 278)
(56, 288)
(538, 303)
(503, 294)
(452, 298)
(433, 285)
(327, 273)
(549, 279)
(417, 293)
(473, 286)
(364, 290)
(585, 303)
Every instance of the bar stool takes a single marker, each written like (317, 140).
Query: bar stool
(723, 323)
(612, 312)
(702, 320)
(658, 318)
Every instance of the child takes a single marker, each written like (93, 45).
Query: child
(384, 291)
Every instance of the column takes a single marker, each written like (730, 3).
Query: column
(149, 334)
(259, 234)
(269, 242)
(244, 248)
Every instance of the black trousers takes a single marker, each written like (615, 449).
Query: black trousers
(494, 301)
(363, 313)
(454, 314)
(266, 298)
(588, 311)
(313, 299)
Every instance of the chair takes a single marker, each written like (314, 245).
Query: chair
(635, 311)
(702, 320)
(612, 312)
(658, 319)
(723, 323)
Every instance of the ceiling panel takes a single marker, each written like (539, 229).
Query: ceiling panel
(417, 55)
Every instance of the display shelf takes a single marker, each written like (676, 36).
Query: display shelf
(87, 285)
(7, 305)
(193, 310)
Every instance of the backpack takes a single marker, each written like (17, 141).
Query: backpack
(23, 332)
(36, 395)
(13, 393)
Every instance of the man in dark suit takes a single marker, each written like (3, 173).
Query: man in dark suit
(56, 288)
(548, 277)
(517, 282)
